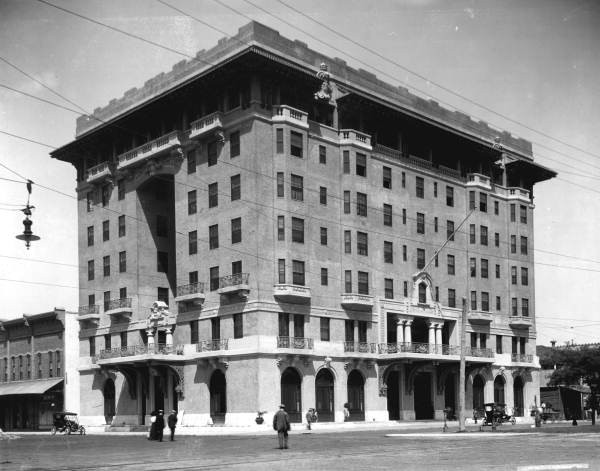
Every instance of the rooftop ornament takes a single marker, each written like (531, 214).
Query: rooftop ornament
(28, 235)
(324, 94)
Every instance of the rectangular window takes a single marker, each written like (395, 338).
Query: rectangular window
(106, 265)
(298, 230)
(298, 272)
(523, 214)
(420, 187)
(435, 224)
(473, 267)
(163, 295)
(297, 187)
(91, 299)
(323, 195)
(194, 332)
(279, 141)
(451, 297)
(404, 253)
(362, 243)
(105, 231)
(388, 252)
(420, 223)
(513, 244)
(497, 239)
(323, 236)
(404, 216)
(236, 230)
(450, 230)
(105, 194)
(485, 303)
(193, 277)
(162, 226)
(483, 235)
(90, 270)
(234, 144)
(348, 281)
(525, 307)
(322, 155)
(284, 324)
(523, 245)
(420, 258)
(192, 204)
(347, 242)
(280, 185)
(483, 202)
(238, 326)
(324, 277)
(106, 300)
(236, 187)
(451, 267)
(524, 276)
(346, 202)
(497, 271)
(405, 288)
(513, 213)
(236, 267)
(162, 262)
(90, 236)
(215, 328)
(361, 165)
(361, 204)
(499, 344)
(362, 331)
(496, 208)
(324, 329)
(212, 153)
(471, 200)
(484, 268)
(387, 214)
(121, 189)
(387, 178)
(213, 236)
(214, 278)
(280, 227)
(122, 262)
(473, 300)
(213, 195)
(349, 330)
(281, 270)
(346, 161)
(435, 189)
(472, 233)
(123, 293)
(449, 196)
(363, 282)
(498, 303)
(389, 288)
(191, 162)
(89, 201)
(514, 307)
(107, 341)
(296, 144)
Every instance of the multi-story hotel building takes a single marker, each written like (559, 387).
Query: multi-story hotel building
(287, 208)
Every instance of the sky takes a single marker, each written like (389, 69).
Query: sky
(527, 66)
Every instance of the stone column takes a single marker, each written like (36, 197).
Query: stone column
(408, 332)
(151, 398)
(169, 402)
(169, 336)
(438, 333)
(255, 94)
(150, 334)
(431, 337)
(139, 393)
(355, 332)
(400, 331)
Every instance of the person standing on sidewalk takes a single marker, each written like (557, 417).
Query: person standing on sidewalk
(281, 423)
(160, 425)
(172, 422)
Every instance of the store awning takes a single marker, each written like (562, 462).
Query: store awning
(28, 387)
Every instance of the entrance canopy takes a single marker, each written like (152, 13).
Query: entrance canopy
(28, 387)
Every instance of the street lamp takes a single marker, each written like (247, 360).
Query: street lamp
(28, 236)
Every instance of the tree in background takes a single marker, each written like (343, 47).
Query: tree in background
(578, 364)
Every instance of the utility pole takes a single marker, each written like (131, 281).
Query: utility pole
(463, 368)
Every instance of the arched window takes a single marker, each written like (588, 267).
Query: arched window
(422, 293)
(356, 396)
(499, 389)
(478, 385)
(291, 395)
(324, 395)
(218, 396)
(518, 397)
(109, 400)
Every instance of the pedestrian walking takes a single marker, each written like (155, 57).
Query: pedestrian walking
(152, 434)
(281, 424)
(309, 418)
(172, 422)
(160, 425)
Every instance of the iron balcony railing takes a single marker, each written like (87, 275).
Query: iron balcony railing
(133, 350)
(97, 169)
(522, 358)
(117, 304)
(360, 347)
(428, 348)
(91, 309)
(234, 280)
(295, 342)
(212, 345)
(192, 288)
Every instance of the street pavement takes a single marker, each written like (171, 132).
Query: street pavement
(520, 447)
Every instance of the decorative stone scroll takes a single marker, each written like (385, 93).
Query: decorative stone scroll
(324, 94)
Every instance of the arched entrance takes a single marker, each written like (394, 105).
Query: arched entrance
(324, 395)
(519, 403)
(499, 389)
(450, 394)
(291, 395)
(393, 395)
(422, 396)
(109, 400)
(218, 397)
(356, 396)
(478, 385)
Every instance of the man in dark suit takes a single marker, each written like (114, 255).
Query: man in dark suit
(281, 423)
(172, 422)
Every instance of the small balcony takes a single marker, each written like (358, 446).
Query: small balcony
(359, 302)
(287, 114)
(90, 313)
(234, 284)
(478, 180)
(292, 293)
(192, 293)
(208, 124)
(479, 352)
(520, 322)
(360, 347)
(298, 343)
(418, 348)
(352, 137)
(480, 317)
(140, 350)
(213, 345)
(97, 172)
(154, 148)
(521, 358)
(118, 307)
(515, 193)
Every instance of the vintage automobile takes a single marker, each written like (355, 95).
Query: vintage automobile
(67, 423)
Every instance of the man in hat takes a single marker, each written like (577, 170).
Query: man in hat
(172, 422)
(281, 423)
(160, 425)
